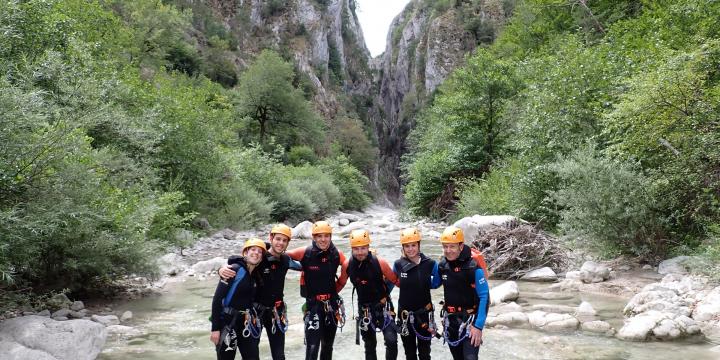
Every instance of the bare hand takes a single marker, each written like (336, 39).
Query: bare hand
(215, 337)
(475, 336)
(226, 273)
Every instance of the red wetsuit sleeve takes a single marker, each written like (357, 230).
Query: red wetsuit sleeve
(342, 280)
(387, 272)
(296, 254)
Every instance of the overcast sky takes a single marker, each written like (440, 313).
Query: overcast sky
(375, 18)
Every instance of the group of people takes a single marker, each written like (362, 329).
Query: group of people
(249, 296)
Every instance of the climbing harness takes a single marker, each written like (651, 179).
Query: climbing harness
(463, 329)
(279, 321)
(409, 319)
(252, 327)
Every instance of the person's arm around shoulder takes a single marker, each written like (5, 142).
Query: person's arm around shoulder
(342, 279)
(296, 254)
(435, 279)
(225, 271)
(387, 272)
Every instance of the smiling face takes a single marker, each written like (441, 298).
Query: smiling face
(253, 255)
(322, 240)
(278, 243)
(360, 253)
(451, 251)
(411, 250)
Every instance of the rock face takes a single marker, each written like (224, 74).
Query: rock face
(423, 46)
(302, 230)
(37, 337)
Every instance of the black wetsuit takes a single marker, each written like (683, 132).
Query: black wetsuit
(416, 280)
(319, 276)
(373, 302)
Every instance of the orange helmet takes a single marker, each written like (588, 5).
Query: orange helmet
(282, 229)
(321, 227)
(409, 235)
(359, 238)
(254, 242)
(451, 235)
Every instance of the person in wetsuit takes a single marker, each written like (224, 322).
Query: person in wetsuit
(234, 323)
(370, 275)
(320, 285)
(269, 303)
(466, 296)
(417, 275)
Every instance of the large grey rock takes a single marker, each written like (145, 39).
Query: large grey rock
(585, 309)
(676, 265)
(472, 225)
(171, 264)
(127, 315)
(77, 306)
(510, 319)
(61, 313)
(209, 265)
(503, 308)
(349, 217)
(598, 327)
(552, 322)
(303, 230)
(106, 320)
(657, 325)
(59, 301)
(709, 307)
(545, 274)
(352, 226)
(343, 222)
(592, 272)
(38, 337)
(662, 300)
(507, 291)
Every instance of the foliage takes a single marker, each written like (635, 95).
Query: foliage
(269, 104)
(349, 180)
(301, 154)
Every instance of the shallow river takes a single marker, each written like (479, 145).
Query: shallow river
(177, 327)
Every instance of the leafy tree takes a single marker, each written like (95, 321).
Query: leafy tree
(267, 100)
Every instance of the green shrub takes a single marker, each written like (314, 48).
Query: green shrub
(238, 206)
(349, 180)
(317, 186)
(301, 154)
(606, 205)
(491, 195)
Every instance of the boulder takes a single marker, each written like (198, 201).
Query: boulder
(45, 313)
(106, 320)
(349, 217)
(59, 301)
(382, 223)
(585, 309)
(61, 313)
(171, 264)
(552, 322)
(657, 299)
(127, 315)
(302, 230)
(352, 226)
(472, 225)
(209, 265)
(709, 307)
(676, 265)
(597, 327)
(573, 275)
(657, 325)
(511, 320)
(77, 306)
(503, 308)
(38, 337)
(592, 272)
(507, 291)
(545, 274)
(343, 222)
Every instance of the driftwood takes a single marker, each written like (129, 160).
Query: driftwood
(511, 253)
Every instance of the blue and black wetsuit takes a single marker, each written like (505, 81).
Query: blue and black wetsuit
(416, 280)
(231, 314)
(466, 297)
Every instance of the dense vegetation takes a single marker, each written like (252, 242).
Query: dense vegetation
(599, 120)
(119, 130)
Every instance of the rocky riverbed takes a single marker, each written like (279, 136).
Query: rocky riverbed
(593, 310)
